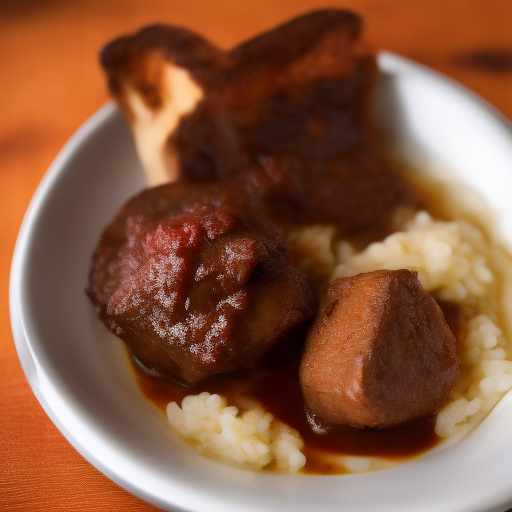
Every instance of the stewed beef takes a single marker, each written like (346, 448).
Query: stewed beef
(379, 353)
(194, 287)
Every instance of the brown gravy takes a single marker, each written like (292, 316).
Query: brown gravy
(277, 389)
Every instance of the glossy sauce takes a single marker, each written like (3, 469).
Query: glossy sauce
(277, 390)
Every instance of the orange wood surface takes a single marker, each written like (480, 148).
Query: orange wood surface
(50, 82)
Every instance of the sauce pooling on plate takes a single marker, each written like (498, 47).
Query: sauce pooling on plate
(277, 390)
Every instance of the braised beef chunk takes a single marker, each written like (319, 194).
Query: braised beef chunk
(193, 288)
(379, 354)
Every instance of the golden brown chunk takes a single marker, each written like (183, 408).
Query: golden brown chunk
(200, 112)
(289, 109)
(379, 354)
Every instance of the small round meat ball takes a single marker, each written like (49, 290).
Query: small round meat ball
(192, 287)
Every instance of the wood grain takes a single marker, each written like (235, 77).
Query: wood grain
(50, 83)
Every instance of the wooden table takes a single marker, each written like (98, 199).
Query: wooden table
(50, 83)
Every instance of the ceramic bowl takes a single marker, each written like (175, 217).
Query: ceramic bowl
(80, 374)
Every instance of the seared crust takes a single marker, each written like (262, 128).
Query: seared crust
(320, 44)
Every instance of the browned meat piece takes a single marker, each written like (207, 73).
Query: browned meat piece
(379, 354)
(277, 92)
(192, 287)
(357, 193)
(289, 108)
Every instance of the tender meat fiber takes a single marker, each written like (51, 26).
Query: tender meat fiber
(289, 109)
(192, 287)
(358, 193)
(379, 354)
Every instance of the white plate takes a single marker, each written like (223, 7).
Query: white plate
(80, 375)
